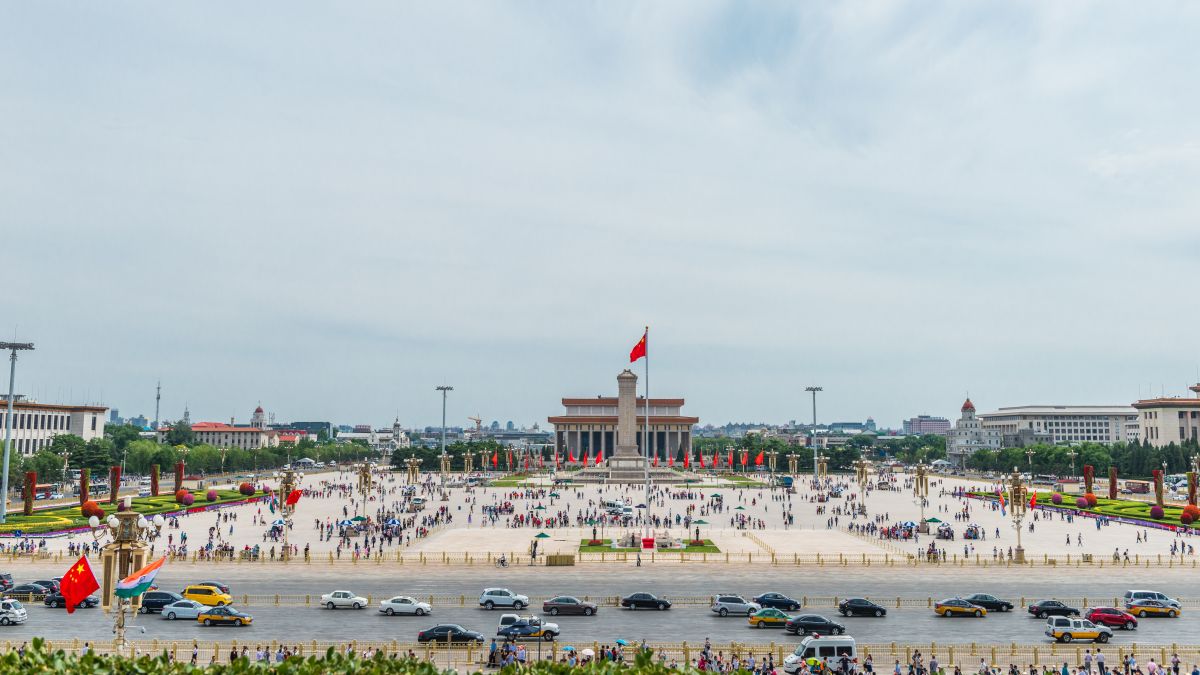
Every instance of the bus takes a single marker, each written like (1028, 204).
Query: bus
(46, 491)
(1137, 487)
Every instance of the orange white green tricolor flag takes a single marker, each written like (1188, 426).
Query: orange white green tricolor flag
(140, 581)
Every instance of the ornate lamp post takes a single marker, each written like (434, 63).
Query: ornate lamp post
(1029, 453)
(483, 460)
(793, 463)
(130, 535)
(287, 483)
(413, 465)
(921, 492)
(1071, 455)
(468, 461)
(822, 466)
(444, 462)
(1018, 503)
(772, 460)
(224, 451)
(364, 485)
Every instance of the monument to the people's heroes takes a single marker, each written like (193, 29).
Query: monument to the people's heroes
(628, 464)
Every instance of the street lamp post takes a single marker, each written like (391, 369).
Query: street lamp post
(13, 348)
(287, 483)
(793, 463)
(1018, 503)
(364, 485)
(130, 533)
(414, 468)
(1029, 453)
(921, 492)
(814, 391)
(772, 459)
(1071, 454)
(445, 389)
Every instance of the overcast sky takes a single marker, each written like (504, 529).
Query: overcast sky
(334, 208)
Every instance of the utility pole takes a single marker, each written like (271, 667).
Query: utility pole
(13, 348)
(445, 390)
(157, 400)
(814, 391)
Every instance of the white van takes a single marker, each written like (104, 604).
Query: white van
(11, 611)
(829, 649)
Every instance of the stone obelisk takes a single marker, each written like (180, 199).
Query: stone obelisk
(626, 463)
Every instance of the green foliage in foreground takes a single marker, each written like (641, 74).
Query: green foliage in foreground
(38, 659)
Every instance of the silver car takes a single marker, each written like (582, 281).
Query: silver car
(402, 604)
(733, 604)
(183, 609)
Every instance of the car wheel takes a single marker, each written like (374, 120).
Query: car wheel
(978, 614)
(4, 621)
(1142, 614)
(840, 631)
(489, 605)
(171, 616)
(723, 612)
(1171, 614)
(207, 622)
(878, 613)
(662, 606)
(330, 605)
(548, 637)
(518, 605)
(587, 611)
(1067, 637)
(54, 605)
(357, 606)
(1102, 638)
(420, 612)
(1042, 615)
(1128, 625)
(389, 611)
(553, 611)
(792, 608)
(758, 624)
(845, 612)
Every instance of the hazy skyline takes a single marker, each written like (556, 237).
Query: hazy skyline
(334, 209)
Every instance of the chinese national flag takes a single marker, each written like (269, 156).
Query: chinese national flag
(78, 583)
(1033, 501)
(758, 459)
(639, 350)
(293, 497)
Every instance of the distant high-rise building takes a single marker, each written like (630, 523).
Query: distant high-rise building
(495, 425)
(140, 422)
(510, 426)
(114, 416)
(870, 425)
(926, 424)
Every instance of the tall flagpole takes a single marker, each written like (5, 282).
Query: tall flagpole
(646, 433)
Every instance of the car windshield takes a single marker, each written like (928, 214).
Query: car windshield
(16, 604)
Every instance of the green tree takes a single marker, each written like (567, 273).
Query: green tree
(180, 434)
(67, 444)
(122, 435)
(49, 466)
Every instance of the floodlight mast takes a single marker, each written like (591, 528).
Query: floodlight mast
(13, 348)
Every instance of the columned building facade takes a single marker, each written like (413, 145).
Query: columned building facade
(589, 425)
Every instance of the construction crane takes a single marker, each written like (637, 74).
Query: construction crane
(478, 423)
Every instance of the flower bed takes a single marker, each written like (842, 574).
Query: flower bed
(68, 518)
(1122, 510)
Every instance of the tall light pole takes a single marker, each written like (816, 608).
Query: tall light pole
(13, 348)
(814, 391)
(445, 389)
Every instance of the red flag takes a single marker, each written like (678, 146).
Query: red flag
(78, 583)
(745, 456)
(1033, 501)
(730, 459)
(599, 456)
(585, 458)
(656, 460)
(495, 459)
(639, 350)
(292, 498)
(716, 463)
(671, 459)
(701, 456)
(758, 459)
(687, 459)
(570, 457)
(557, 460)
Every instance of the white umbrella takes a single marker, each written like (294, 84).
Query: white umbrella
(588, 652)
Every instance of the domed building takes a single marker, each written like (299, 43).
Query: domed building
(969, 436)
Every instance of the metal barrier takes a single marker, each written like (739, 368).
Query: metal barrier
(966, 655)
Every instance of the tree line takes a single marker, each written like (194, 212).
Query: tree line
(1133, 460)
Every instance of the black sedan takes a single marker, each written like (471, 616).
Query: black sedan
(989, 602)
(860, 607)
(778, 601)
(1047, 608)
(27, 592)
(449, 632)
(48, 583)
(645, 601)
(813, 623)
(566, 604)
(57, 600)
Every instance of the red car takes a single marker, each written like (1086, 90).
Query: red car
(1111, 616)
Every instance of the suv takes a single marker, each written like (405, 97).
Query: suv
(154, 601)
(502, 597)
(733, 604)
(1063, 629)
(207, 595)
(11, 611)
(1133, 597)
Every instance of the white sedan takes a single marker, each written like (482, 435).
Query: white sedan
(402, 604)
(343, 599)
(183, 609)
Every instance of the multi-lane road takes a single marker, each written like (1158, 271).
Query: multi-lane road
(684, 622)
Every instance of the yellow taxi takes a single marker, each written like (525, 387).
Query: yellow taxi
(768, 618)
(1064, 629)
(1144, 608)
(223, 616)
(207, 595)
(958, 607)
